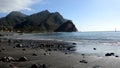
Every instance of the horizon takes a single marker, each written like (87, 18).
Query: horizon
(87, 15)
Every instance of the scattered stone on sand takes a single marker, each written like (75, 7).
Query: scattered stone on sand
(74, 43)
(94, 48)
(10, 65)
(49, 49)
(83, 55)
(43, 66)
(34, 54)
(46, 53)
(83, 61)
(97, 66)
(13, 66)
(109, 54)
(66, 53)
(39, 66)
(23, 58)
(112, 54)
(24, 49)
(19, 45)
(1, 35)
(55, 49)
(14, 47)
(3, 48)
(7, 59)
(116, 56)
(35, 66)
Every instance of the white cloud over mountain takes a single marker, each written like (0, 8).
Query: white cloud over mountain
(7, 6)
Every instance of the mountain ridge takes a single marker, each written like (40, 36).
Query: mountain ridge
(43, 21)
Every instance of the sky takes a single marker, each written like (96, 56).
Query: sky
(87, 15)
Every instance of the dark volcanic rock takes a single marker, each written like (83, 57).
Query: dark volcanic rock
(34, 54)
(7, 59)
(35, 66)
(109, 54)
(23, 59)
(67, 26)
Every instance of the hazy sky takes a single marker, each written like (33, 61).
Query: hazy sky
(87, 15)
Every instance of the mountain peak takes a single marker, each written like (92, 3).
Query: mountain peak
(45, 11)
(16, 13)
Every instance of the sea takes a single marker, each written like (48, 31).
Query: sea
(87, 42)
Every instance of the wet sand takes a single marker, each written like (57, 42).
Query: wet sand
(52, 57)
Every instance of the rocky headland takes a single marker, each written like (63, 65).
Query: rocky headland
(43, 21)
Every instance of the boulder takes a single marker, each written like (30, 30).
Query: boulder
(97, 66)
(7, 59)
(19, 45)
(109, 54)
(35, 66)
(94, 48)
(34, 54)
(43, 66)
(83, 61)
(23, 58)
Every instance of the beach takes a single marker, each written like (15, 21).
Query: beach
(50, 54)
(37, 52)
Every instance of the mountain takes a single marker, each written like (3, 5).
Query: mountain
(7, 23)
(67, 26)
(39, 22)
(16, 13)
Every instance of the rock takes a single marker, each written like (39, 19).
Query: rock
(116, 56)
(46, 53)
(19, 45)
(49, 49)
(55, 49)
(34, 54)
(10, 65)
(10, 58)
(109, 54)
(3, 48)
(24, 49)
(1, 35)
(112, 54)
(43, 66)
(7, 59)
(35, 66)
(97, 66)
(23, 58)
(14, 47)
(74, 43)
(94, 48)
(83, 61)
(71, 48)
(66, 53)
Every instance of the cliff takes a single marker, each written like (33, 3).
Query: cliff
(67, 26)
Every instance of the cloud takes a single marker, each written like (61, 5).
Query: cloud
(7, 6)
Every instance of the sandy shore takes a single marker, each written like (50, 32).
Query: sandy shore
(50, 54)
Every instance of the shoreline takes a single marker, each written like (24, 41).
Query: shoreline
(49, 54)
(34, 50)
